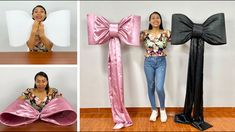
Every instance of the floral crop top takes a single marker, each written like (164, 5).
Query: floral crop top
(155, 46)
(36, 102)
(40, 48)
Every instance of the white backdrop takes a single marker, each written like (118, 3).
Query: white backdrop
(15, 80)
(27, 6)
(219, 84)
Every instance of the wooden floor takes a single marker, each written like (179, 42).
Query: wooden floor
(222, 119)
(39, 126)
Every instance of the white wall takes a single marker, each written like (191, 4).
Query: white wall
(15, 80)
(27, 6)
(219, 84)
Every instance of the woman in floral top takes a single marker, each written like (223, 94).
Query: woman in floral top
(38, 42)
(41, 94)
(155, 40)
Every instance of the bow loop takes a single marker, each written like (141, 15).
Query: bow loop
(181, 24)
(212, 30)
(129, 30)
(101, 30)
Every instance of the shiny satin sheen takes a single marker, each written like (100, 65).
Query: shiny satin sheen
(57, 111)
(127, 31)
(213, 32)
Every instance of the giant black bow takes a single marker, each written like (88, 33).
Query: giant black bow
(213, 32)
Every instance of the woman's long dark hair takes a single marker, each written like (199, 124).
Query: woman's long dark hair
(42, 8)
(150, 26)
(44, 75)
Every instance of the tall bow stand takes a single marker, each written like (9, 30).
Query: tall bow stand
(213, 32)
(101, 31)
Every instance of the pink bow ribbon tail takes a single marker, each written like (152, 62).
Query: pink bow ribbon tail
(127, 31)
(19, 113)
(59, 111)
(116, 93)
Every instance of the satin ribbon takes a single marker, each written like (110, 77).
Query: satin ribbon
(127, 31)
(213, 32)
(57, 111)
(19, 113)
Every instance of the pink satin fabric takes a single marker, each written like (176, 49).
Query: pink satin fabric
(59, 111)
(127, 31)
(20, 112)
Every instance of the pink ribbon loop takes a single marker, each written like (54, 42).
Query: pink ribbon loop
(101, 31)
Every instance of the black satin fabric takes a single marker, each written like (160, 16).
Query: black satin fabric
(213, 32)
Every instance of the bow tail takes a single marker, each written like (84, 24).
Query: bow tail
(194, 91)
(115, 77)
(198, 120)
(198, 90)
(189, 98)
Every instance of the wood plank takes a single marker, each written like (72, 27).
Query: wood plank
(100, 119)
(147, 109)
(38, 57)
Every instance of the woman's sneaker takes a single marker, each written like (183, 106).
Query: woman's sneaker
(153, 116)
(163, 116)
(118, 126)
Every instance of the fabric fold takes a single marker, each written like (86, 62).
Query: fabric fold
(19, 113)
(59, 111)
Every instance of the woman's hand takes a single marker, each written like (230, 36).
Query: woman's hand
(167, 33)
(31, 42)
(35, 27)
(21, 97)
(143, 35)
(48, 44)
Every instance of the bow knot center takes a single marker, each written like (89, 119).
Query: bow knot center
(197, 30)
(113, 30)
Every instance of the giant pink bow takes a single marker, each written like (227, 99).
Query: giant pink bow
(57, 111)
(101, 31)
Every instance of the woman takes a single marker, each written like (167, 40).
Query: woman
(40, 102)
(38, 42)
(155, 41)
(41, 94)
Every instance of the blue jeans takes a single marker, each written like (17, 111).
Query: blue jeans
(155, 70)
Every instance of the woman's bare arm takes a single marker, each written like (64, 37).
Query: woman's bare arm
(22, 97)
(143, 35)
(31, 41)
(48, 44)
